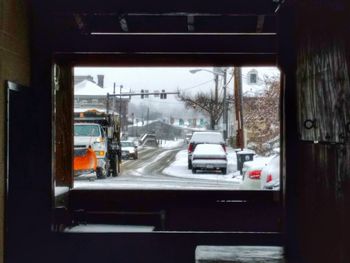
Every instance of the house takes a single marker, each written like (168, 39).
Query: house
(40, 42)
(88, 94)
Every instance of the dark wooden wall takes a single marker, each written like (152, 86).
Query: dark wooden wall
(319, 200)
(317, 188)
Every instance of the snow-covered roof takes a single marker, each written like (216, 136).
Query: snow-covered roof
(89, 109)
(89, 88)
(249, 89)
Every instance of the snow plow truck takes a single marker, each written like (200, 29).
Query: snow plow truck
(96, 143)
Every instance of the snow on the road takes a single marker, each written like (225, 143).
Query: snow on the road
(179, 169)
(140, 170)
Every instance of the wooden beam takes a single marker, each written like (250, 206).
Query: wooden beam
(190, 23)
(81, 24)
(123, 23)
(260, 23)
(158, 6)
(166, 59)
(202, 43)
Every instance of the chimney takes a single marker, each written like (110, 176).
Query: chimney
(100, 80)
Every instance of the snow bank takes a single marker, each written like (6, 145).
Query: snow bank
(171, 144)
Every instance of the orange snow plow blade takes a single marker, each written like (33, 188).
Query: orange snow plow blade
(85, 161)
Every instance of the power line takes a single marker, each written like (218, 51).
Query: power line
(200, 84)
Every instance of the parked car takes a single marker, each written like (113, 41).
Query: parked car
(129, 150)
(251, 173)
(270, 175)
(209, 157)
(201, 138)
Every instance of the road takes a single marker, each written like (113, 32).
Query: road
(147, 173)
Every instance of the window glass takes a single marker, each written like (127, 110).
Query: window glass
(86, 130)
(159, 115)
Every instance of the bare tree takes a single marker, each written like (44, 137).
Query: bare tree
(207, 103)
(261, 116)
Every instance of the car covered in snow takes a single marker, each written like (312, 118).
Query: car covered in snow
(209, 157)
(251, 173)
(129, 150)
(270, 175)
(197, 138)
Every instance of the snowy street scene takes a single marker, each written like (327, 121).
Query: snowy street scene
(165, 168)
(176, 128)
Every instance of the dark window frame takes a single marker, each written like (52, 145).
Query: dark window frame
(237, 200)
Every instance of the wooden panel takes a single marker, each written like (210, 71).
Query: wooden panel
(323, 90)
(252, 211)
(323, 191)
(63, 84)
(323, 72)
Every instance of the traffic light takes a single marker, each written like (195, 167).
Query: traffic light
(142, 94)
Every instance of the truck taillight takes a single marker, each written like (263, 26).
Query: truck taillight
(269, 178)
(190, 148)
(254, 174)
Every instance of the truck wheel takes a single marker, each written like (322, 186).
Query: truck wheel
(101, 173)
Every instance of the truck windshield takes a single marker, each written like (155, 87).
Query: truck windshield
(127, 144)
(86, 130)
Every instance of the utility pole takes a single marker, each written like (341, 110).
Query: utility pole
(224, 112)
(120, 107)
(238, 107)
(133, 128)
(113, 96)
(216, 87)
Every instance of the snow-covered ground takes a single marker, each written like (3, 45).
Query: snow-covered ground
(179, 169)
(171, 144)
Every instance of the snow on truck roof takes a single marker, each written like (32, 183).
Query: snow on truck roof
(78, 110)
(210, 137)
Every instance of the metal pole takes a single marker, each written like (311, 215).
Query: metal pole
(133, 128)
(107, 103)
(120, 108)
(113, 97)
(147, 118)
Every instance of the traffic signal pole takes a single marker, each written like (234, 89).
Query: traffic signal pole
(140, 93)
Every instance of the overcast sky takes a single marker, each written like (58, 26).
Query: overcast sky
(168, 78)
